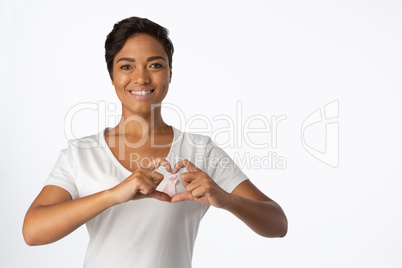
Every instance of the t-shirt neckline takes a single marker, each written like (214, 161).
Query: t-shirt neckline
(116, 162)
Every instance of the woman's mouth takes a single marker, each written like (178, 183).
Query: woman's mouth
(141, 94)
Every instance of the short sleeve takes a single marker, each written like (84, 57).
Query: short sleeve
(62, 174)
(221, 168)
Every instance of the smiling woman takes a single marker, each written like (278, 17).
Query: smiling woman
(143, 211)
(141, 70)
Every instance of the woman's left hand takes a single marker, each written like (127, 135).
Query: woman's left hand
(200, 187)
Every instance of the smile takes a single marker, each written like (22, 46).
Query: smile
(141, 92)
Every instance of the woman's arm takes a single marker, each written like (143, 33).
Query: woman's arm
(256, 210)
(54, 214)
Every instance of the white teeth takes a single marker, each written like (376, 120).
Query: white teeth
(141, 92)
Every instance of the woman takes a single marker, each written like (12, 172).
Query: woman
(139, 210)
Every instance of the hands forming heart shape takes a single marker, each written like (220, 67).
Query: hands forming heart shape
(199, 185)
(170, 187)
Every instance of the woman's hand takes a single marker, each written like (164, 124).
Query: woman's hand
(54, 214)
(247, 202)
(142, 183)
(200, 187)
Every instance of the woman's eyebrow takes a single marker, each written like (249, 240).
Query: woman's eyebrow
(155, 58)
(148, 59)
(126, 59)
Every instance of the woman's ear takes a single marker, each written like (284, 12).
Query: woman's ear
(170, 77)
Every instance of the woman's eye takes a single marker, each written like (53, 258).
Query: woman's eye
(125, 67)
(156, 65)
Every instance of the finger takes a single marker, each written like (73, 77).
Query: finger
(187, 178)
(153, 178)
(182, 197)
(146, 188)
(161, 162)
(156, 177)
(193, 185)
(144, 183)
(185, 164)
(198, 193)
(159, 196)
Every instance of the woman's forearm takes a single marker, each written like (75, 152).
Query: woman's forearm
(53, 214)
(45, 224)
(266, 218)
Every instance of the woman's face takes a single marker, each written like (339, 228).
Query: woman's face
(141, 74)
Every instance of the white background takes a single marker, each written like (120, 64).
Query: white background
(278, 58)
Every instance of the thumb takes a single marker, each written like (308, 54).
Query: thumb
(161, 196)
(182, 197)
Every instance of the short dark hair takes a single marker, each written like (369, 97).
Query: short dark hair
(128, 27)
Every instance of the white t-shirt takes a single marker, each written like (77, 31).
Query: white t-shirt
(148, 232)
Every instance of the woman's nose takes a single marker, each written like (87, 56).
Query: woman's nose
(141, 76)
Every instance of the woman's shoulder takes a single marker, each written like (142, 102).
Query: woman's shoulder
(87, 142)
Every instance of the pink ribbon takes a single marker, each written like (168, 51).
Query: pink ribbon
(170, 187)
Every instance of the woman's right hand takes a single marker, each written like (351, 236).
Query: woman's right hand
(54, 214)
(142, 184)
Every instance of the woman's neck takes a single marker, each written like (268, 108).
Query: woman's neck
(142, 125)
